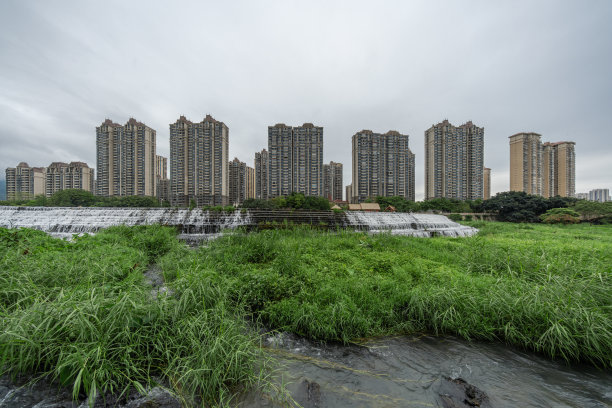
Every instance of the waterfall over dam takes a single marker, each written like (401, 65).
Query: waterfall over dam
(198, 224)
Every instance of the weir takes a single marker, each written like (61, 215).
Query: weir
(197, 224)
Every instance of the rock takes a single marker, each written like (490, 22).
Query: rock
(156, 398)
(458, 393)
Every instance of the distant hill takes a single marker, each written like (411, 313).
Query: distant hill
(2, 190)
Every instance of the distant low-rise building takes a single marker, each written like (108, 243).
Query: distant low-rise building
(600, 194)
(582, 196)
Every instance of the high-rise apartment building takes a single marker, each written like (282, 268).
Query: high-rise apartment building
(250, 182)
(349, 193)
(332, 181)
(526, 163)
(24, 182)
(125, 157)
(295, 160)
(454, 157)
(382, 165)
(241, 182)
(61, 176)
(162, 183)
(545, 169)
(487, 183)
(564, 169)
(161, 167)
(261, 174)
(199, 166)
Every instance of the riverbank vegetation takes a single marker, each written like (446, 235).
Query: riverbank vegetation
(83, 314)
(512, 206)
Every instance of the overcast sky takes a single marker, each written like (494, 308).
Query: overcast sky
(541, 66)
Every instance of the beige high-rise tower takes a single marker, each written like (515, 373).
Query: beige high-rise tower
(454, 157)
(487, 183)
(526, 163)
(199, 167)
(125, 158)
(545, 169)
(559, 169)
(24, 182)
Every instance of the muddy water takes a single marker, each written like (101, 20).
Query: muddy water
(428, 372)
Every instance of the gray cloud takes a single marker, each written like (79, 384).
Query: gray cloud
(508, 66)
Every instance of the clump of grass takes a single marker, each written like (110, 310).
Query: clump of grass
(80, 313)
(539, 288)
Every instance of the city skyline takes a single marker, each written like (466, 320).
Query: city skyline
(389, 76)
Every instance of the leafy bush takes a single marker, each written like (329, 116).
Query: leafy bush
(455, 217)
(560, 216)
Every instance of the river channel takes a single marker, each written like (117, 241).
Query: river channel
(426, 371)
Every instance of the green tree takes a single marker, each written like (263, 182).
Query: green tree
(72, 197)
(516, 206)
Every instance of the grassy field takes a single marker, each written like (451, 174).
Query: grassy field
(82, 313)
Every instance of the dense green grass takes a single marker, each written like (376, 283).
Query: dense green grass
(545, 288)
(81, 312)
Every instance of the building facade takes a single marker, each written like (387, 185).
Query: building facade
(332, 181)
(601, 195)
(125, 159)
(261, 174)
(199, 167)
(349, 193)
(526, 163)
(382, 165)
(61, 176)
(564, 169)
(162, 183)
(24, 182)
(454, 157)
(544, 169)
(487, 183)
(295, 160)
(241, 182)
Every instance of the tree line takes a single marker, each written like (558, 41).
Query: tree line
(511, 206)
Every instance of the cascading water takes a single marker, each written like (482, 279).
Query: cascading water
(418, 225)
(197, 224)
(66, 221)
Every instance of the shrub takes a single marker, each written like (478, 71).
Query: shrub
(560, 216)
(455, 217)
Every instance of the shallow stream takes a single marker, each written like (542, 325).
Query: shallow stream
(428, 371)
